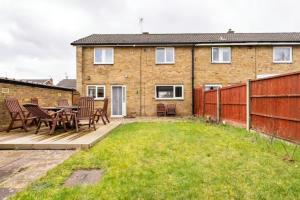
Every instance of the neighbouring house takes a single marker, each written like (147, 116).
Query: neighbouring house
(138, 71)
(67, 83)
(40, 81)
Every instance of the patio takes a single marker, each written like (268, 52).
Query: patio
(84, 139)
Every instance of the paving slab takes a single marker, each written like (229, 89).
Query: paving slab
(21, 167)
(84, 177)
(6, 192)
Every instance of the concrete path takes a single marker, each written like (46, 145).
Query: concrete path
(20, 168)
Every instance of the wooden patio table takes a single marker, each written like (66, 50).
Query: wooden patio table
(58, 108)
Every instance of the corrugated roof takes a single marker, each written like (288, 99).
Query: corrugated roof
(30, 83)
(186, 38)
(40, 81)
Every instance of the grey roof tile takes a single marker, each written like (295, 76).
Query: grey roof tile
(186, 38)
(67, 83)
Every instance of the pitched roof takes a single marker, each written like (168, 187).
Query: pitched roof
(186, 38)
(67, 83)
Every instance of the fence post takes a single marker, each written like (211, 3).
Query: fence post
(248, 104)
(203, 101)
(218, 104)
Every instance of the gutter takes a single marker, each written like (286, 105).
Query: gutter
(135, 45)
(163, 44)
(249, 44)
(193, 79)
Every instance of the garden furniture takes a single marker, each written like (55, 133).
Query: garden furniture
(85, 112)
(102, 112)
(51, 118)
(161, 109)
(17, 114)
(171, 109)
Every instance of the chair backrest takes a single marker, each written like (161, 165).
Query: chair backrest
(13, 106)
(34, 100)
(171, 108)
(85, 107)
(63, 102)
(161, 107)
(35, 110)
(105, 105)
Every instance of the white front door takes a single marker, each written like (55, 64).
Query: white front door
(118, 102)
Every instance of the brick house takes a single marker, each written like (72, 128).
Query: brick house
(137, 71)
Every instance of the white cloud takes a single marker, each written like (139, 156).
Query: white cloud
(36, 35)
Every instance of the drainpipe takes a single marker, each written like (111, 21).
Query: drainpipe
(141, 81)
(193, 77)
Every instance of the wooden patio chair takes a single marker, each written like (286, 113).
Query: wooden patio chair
(161, 109)
(102, 112)
(171, 109)
(69, 112)
(52, 119)
(63, 102)
(85, 112)
(34, 100)
(17, 114)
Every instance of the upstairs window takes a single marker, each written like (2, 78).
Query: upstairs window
(282, 55)
(165, 55)
(221, 55)
(96, 91)
(169, 92)
(103, 56)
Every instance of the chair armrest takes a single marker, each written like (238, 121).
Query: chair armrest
(98, 110)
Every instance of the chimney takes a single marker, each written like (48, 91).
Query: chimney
(230, 31)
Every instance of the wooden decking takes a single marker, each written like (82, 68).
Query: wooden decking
(18, 139)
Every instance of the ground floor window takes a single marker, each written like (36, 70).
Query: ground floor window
(212, 86)
(169, 91)
(96, 91)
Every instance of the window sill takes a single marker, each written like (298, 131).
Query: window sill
(278, 62)
(99, 99)
(220, 62)
(165, 63)
(167, 99)
(103, 63)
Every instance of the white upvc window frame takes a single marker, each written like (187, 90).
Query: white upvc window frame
(96, 86)
(174, 90)
(283, 62)
(165, 57)
(104, 62)
(221, 59)
(212, 85)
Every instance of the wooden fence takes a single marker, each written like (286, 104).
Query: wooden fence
(210, 103)
(275, 106)
(233, 104)
(270, 105)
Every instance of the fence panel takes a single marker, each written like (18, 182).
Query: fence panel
(275, 106)
(210, 103)
(198, 101)
(233, 104)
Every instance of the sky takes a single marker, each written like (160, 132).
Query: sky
(35, 35)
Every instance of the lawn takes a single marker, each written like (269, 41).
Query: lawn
(177, 160)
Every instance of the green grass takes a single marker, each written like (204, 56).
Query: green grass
(177, 160)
